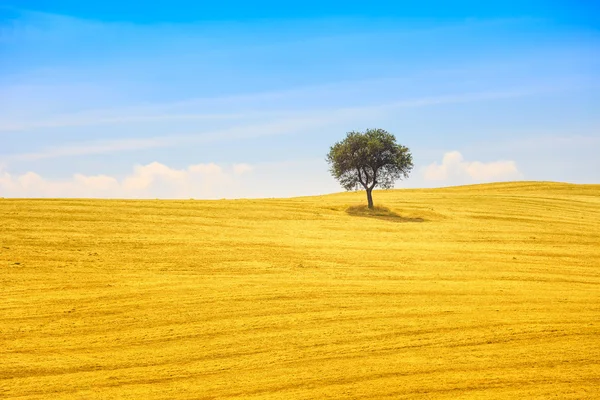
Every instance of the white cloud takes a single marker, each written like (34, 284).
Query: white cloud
(99, 182)
(153, 180)
(454, 169)
(198, 181)
(240, 169)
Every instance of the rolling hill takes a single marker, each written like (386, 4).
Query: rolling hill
(483, 291)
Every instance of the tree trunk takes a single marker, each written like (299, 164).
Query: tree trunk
(370, 198)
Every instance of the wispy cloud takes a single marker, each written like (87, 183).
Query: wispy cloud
(277, 127)
(94, 147)
(364, 94)
(97, 119)
(295, 122)
(215, 60)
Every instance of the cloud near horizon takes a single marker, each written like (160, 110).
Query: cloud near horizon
(154, 180)
(454, 169)
(238, 180)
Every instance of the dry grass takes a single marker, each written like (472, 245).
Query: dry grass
(496, 294)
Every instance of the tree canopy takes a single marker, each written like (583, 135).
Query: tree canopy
(369, 159)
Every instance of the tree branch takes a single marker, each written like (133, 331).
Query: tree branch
(360, 179)
(374, 177)
(367, 177)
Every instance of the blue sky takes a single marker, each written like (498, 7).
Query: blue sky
(243, 99)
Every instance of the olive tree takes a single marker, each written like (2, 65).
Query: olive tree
(369, 159)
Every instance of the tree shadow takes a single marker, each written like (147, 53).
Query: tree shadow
(379, 212)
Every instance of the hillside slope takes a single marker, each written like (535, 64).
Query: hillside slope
(477, 291)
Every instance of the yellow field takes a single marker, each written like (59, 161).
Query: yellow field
(487, 291)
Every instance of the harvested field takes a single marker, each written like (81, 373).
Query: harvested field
(485, 291)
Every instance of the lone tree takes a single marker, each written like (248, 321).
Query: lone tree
(369, 159)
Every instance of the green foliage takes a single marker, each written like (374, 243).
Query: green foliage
(369, 159)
